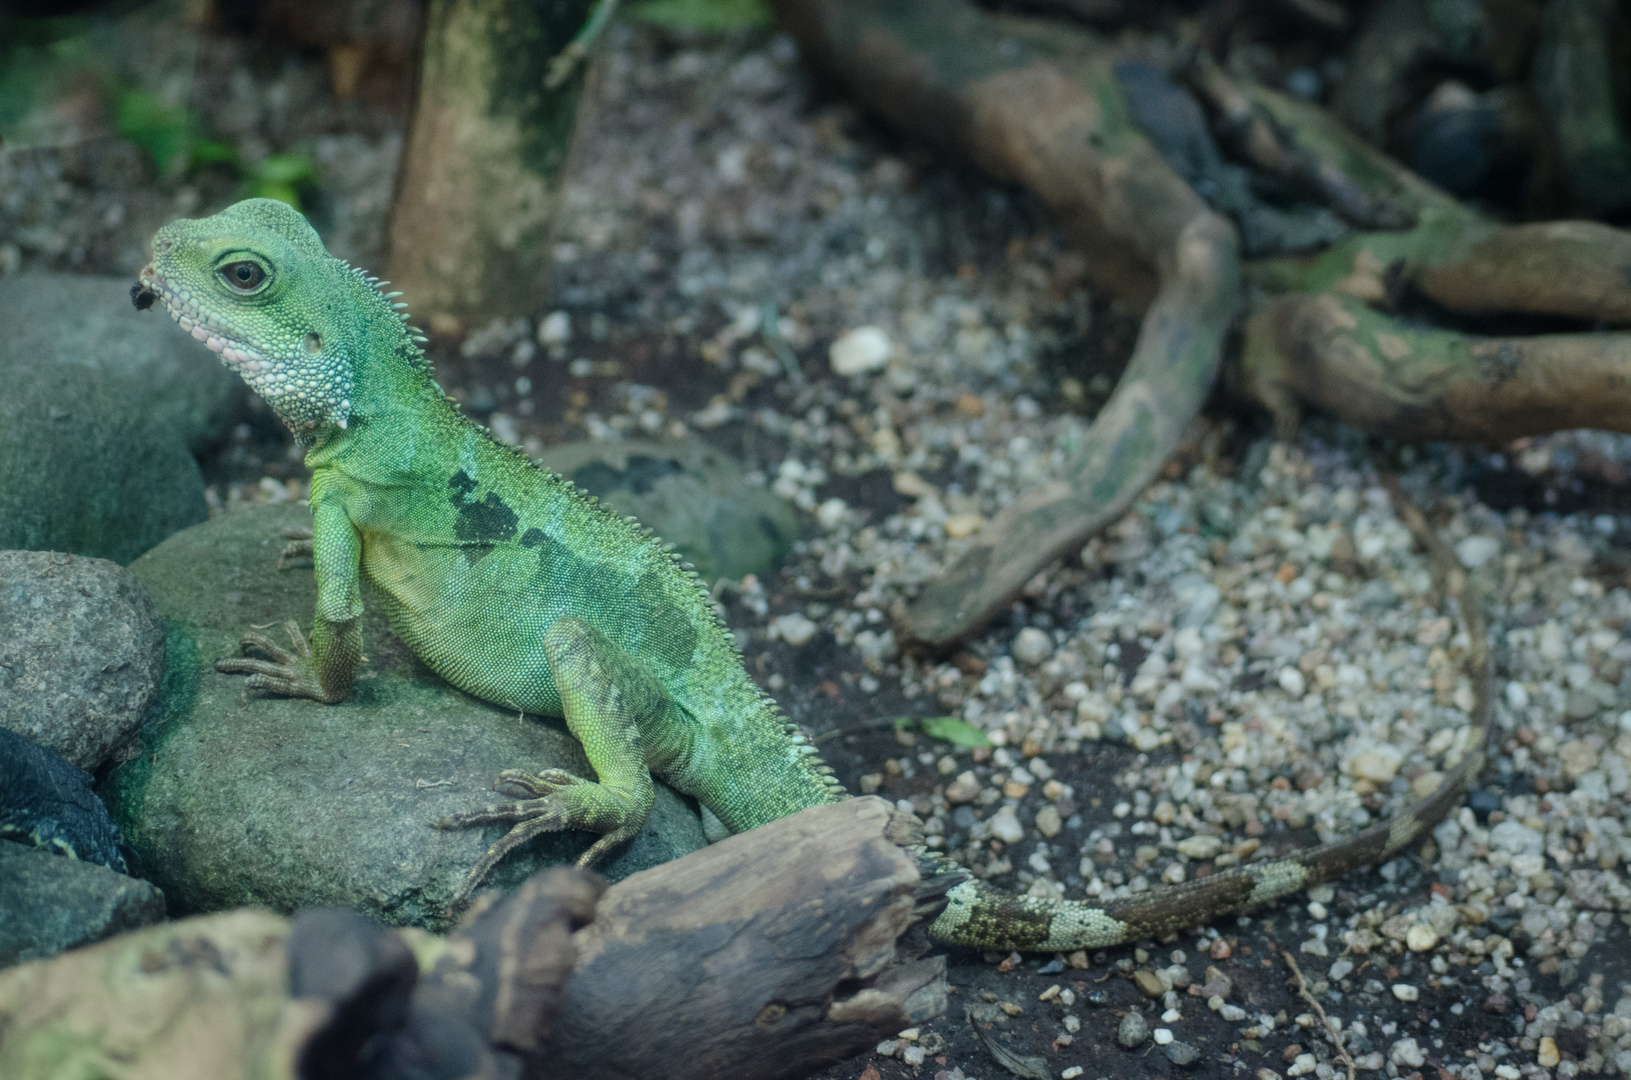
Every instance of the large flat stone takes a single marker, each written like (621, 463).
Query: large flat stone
(241, 799)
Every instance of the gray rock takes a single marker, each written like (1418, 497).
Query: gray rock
(81, 654)
(49, 903)
(102, 410)
(1181, 1053)
(691, 495)
(1133, 1029)
(240, 799)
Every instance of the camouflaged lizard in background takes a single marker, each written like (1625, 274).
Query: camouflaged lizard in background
(517, 588)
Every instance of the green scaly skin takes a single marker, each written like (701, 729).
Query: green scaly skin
(519, 589)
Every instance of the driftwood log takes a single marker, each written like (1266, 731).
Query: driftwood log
(768, 955)
(1048, 113)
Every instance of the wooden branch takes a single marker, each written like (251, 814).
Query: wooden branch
(1048, 114)
(1335, 353)
(766, 955)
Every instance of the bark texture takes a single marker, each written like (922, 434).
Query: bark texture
(478, 189)
(767, 955)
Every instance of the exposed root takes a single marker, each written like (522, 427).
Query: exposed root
(1052, 118)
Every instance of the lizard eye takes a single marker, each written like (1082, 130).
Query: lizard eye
(243, 276)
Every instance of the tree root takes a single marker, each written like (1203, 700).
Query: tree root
(1050, 107)
(1337, 354)
(1050, 115)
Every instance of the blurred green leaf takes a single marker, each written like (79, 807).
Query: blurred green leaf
(951, 729)
(709, 15)
(212, 152)
(164, 131)
(282, 177)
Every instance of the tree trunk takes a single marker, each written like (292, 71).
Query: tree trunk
(478, 190)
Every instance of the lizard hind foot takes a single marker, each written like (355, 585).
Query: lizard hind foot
(560, 801)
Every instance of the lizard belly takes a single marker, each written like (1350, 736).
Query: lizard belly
(469, 617)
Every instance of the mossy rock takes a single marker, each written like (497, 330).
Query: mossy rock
(242, 799)
(691, 495)
(103, 410)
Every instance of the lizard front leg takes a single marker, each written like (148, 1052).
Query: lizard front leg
(326, 669)
(607, 697)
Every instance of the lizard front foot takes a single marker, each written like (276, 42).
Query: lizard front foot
(559, 801)
(288, 672)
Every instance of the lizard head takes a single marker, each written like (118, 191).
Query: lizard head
(254, 284)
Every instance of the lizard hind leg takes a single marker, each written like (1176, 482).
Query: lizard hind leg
(605, 694)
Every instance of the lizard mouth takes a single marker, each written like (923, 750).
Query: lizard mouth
(189, 314)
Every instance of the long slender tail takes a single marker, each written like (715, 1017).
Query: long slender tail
(977, 914)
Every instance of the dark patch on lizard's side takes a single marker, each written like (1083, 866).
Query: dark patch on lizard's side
(481, 523)
(670, 633)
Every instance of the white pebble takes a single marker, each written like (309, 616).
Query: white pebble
(1163, 1036)
(1071, 1073)
(1292, 682)
(1407, 1052)
(1032, 646)
(1006, 827)
(858, 351)
(1517, 697)
(1420, 938)
(1405, 992)
(1475, 551)
(556, 329)
(1199, 847)
(831, 513)
(794, 628)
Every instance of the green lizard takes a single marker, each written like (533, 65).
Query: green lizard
(520, 590)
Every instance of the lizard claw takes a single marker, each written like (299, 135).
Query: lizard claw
(552, 809)
(300, 545)
(288, 672)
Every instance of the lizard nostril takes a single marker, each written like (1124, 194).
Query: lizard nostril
(313, 342)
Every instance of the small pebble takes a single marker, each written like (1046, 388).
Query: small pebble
(1180, 1053)
(1048, 821)
(1407, 1052)
(1547, 1056)
(1200, 847)
(1405, 992)
(858, 351)
(1162, 1036)
(1071, 1073)
(963, 789)
(795, 629)
(1475, 551)
(1005, 826)
(1150, 983)
(1132, 1030)
(1032, 646)
(1420, 938)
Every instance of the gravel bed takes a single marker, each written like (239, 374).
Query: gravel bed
(1253, 658)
